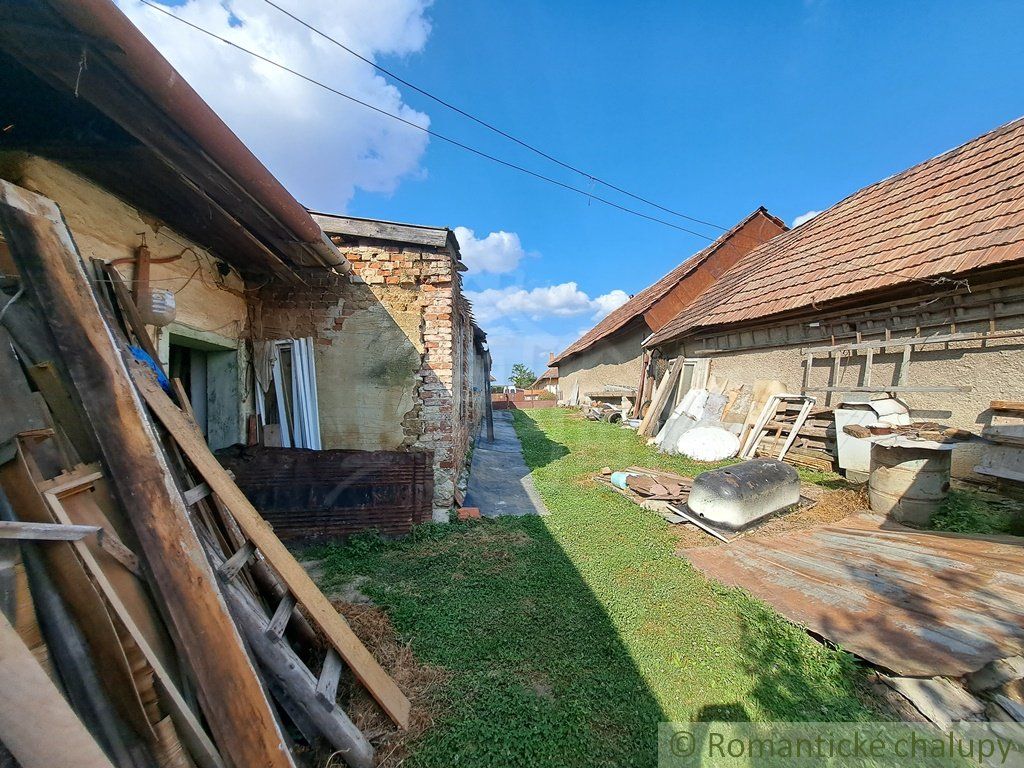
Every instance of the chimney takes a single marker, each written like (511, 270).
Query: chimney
(551, 358)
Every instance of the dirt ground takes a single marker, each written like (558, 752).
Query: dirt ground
(823, 508)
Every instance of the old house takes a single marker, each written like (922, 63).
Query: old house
(276, 340)
(399, 361)
(911, 287)
(611, 354)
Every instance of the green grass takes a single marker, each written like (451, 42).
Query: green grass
(569, 637)
(970, 512)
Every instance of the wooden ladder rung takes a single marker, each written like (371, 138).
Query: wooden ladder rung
(279, 621)
(237, 561)
(197, 494)
(330, 675)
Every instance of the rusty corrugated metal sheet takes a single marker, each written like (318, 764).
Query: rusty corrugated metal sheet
(747, 234)
(331, 494)
(959, 211)
(917, 603)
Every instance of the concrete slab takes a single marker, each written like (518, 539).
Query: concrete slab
(499, 480)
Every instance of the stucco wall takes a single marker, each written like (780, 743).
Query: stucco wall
(210, 308)
(615, 360)
(393, 370)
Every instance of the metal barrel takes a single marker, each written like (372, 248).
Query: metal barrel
(908, 484)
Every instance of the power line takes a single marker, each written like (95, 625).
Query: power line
(936, 281)
(430, 132)
(489, 126)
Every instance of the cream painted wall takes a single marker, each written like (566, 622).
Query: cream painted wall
(105, 227)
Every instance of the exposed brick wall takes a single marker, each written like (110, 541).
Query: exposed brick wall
(394, 350)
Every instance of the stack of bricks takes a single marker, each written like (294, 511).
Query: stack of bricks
(420, 288)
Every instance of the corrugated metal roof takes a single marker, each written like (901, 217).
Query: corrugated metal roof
(956, 212)
(915, 602)
(647, 298)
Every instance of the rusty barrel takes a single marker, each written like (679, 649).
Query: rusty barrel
(908, 484)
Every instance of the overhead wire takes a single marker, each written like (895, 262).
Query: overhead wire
(489, 126)
(454, 142)
(428, 131)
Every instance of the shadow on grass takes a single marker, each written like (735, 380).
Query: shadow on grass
(538, 449)
(539, 673)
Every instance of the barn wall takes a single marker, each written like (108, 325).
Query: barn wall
(615, 360)
(994, 369)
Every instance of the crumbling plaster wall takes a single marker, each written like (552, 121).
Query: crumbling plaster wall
(389, 375)
(617, 360)
(209, 307)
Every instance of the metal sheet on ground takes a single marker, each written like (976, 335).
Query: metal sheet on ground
(918, 603)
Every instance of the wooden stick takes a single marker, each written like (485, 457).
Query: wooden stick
(233, 698)
(45, 531)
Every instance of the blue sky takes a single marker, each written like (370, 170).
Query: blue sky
(711, 109)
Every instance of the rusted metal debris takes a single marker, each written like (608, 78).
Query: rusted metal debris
(914, 602)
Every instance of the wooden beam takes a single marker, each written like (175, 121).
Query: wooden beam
(192, 734)
(233, 698)
(944, 338)
(324, 615)
(45, 531)
(37, 724)
(883, 389)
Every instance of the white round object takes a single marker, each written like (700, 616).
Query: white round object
(708, 444)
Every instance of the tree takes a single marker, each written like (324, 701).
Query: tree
(522, 376)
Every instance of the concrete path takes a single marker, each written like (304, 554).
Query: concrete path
(499, 480)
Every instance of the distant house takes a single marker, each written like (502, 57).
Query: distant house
(611, 354)
(912, 286)
(548, 381)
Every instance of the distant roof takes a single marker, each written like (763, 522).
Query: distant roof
(378, 229)
(647, 298)
(550, 373)
(956, 212)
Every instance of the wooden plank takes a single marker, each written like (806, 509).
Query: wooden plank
(45, 531)
(881, 344)
(279, 621)
(197, 494)
(1006, 405)
(237, 561)
(330, 676)
(192, 734)
(668, 383)
(37, 724)
(130, 309)
(324, 615)
(1003, 474)
(904, 374)
(884, 389)
(47, 260)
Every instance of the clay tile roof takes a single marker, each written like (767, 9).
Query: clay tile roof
(956, 212)
(550, 373)
(643, 301)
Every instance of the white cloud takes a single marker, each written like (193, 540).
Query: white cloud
(320, 146)
(563, 300)
(609, 301)
(804, 217)
(497, 253)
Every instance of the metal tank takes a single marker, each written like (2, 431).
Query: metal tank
(908, 484)
(734, 497)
